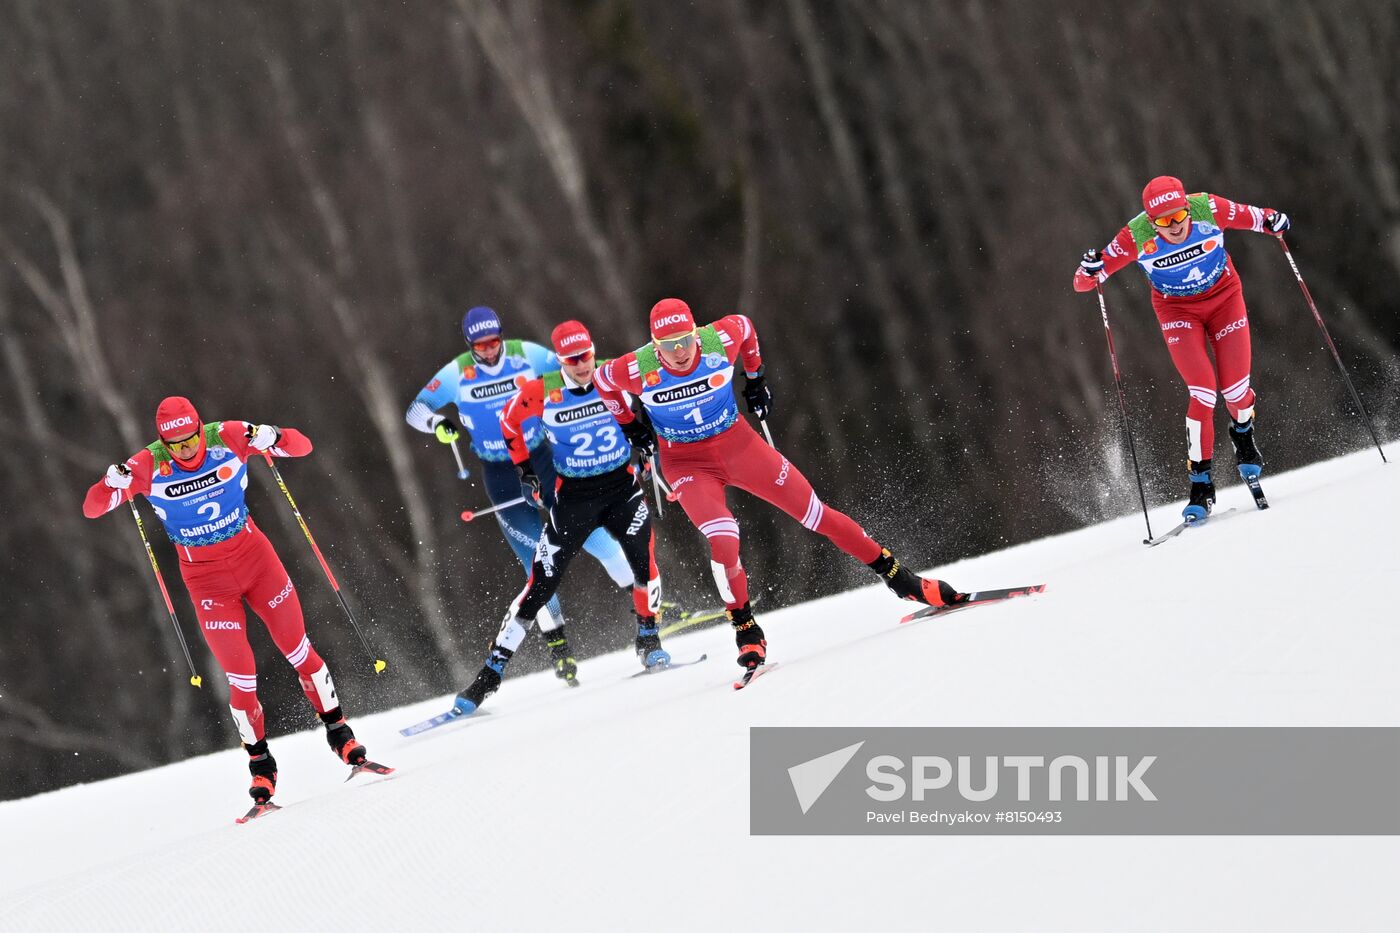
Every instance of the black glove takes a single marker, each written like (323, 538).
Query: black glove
(1092, 263)
(758, 396)
(529, 481)
(641, 438)
(1277, 223)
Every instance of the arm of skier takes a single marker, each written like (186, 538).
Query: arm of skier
(246, 440)
(615, 378)
(541, 359)
(525, 404)
(1118, 253)
(422, 413)
(740, 339)
(103, 496)
(1232, 215)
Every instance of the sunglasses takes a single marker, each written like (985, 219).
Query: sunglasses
(1170, 219)
(183, 442)
(487, 345)
(578, 359)
(676, 344)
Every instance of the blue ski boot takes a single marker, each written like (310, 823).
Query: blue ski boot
(649, 643)
(1202, 492)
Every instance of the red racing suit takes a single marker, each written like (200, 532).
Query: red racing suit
(1199, 302)
(241, 566)
(700, 470)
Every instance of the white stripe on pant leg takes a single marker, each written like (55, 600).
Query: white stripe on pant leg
(719, 524)
(244, 724)
(1193, 439)
(300, 652)
(1244, 414)
(247, 683)
(1237, 391)
(726, 593)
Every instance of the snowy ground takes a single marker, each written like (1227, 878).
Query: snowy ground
(624, 804)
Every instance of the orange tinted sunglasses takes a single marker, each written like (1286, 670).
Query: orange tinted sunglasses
(1170, 219)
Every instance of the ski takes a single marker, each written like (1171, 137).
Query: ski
(369, 767)
(1251, 480)
(978, 598)
(659, 668)
(441, 719)
(753, 674)
(259, 809)
(690, 619)
(1189, 523)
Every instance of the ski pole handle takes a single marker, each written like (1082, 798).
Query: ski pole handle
(468, 514)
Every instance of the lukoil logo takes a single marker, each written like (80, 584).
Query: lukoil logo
(221, 625)
(175, 423)
(670, 319)
(1164, 198)
(573, 339)
(1174, 325)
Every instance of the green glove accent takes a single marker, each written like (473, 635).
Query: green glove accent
(446, 432)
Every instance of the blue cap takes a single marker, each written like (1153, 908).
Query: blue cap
(480, 323)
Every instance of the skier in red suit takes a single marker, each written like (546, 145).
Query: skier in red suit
(684, 381)
(195, 476)
(1179, 241)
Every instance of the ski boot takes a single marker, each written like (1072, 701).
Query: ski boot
(487, 682)
(565, 667)
(1202, 492)
(649, 648)
(341, 738)
(753, 649)
(908, 585)
(263, 767)
(1247, 457)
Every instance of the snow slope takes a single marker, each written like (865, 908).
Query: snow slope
(624, 804)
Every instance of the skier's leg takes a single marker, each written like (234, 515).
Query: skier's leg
(520, 523)
(1229, 337)
(701, 494)
(1186, 338)
(218, 609)
(272, 595)
(598, 544)
(627, 519)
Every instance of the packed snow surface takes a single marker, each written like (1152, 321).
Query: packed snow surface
(624, 804)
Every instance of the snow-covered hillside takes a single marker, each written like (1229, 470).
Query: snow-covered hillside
(624, 804)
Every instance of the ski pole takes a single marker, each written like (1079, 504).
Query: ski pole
(1312, 306)
(462, 471)
(468, 514)
(195, 679)
(1123, 406)
(767, 434)
(379, 664)
(660, 484)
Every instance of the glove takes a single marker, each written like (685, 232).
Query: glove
(1277, 223)
(529, 481)
(445, 430)
(758, 396)
(640, 437)
(1092, 263)
(118, 476)
(263, 437)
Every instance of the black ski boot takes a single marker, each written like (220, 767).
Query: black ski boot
(1202, 492)
(565, 667)
(341, 738)
(908, 585)
(263, 767)
(1247, 457)
(487, 682)
(648, 646)
(753, 649)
